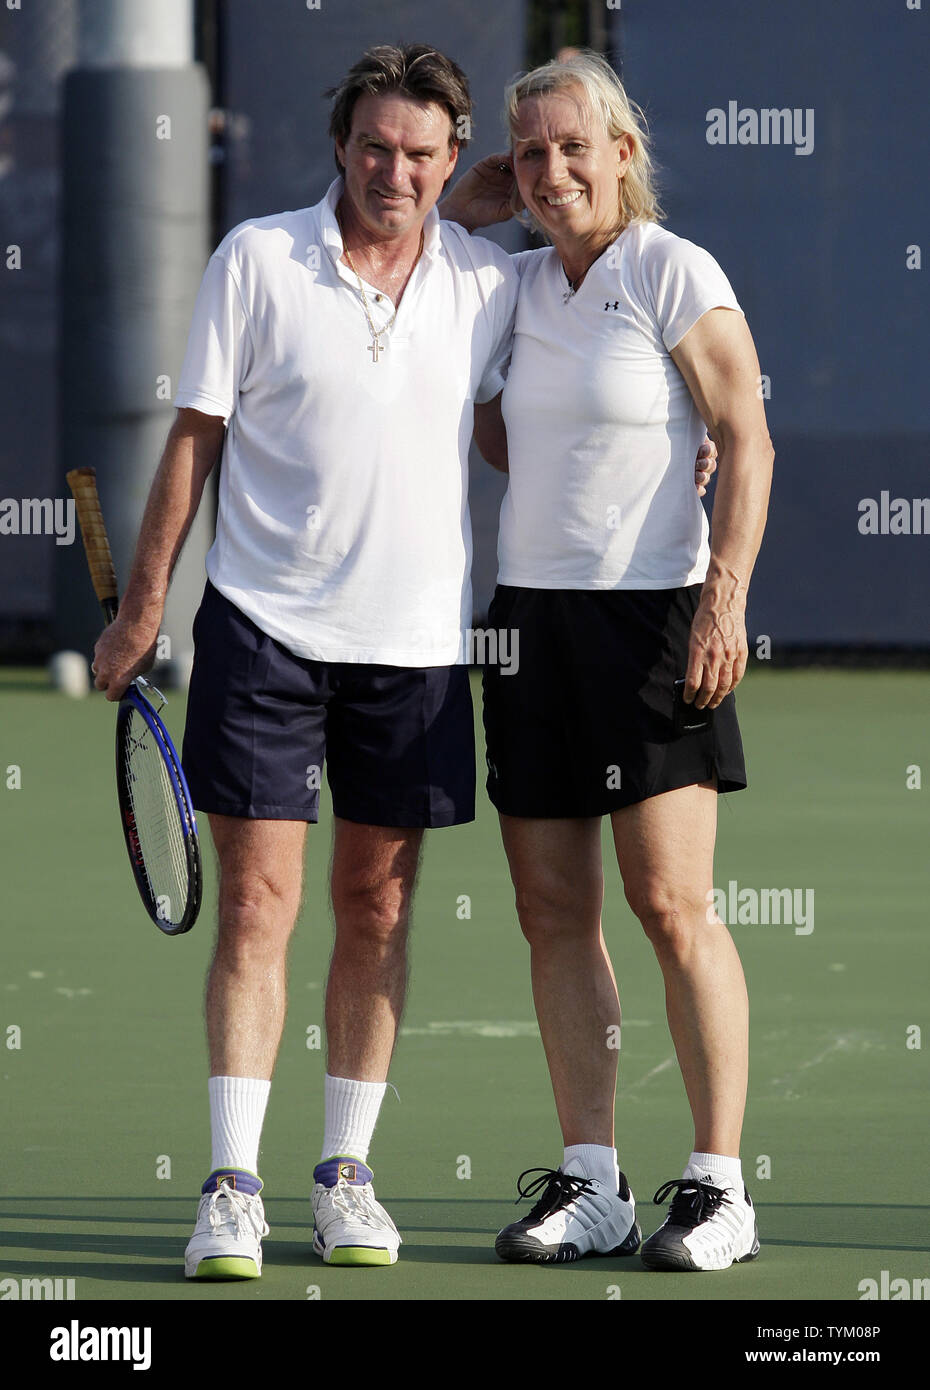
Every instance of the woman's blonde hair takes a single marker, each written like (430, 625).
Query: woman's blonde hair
(607, 99)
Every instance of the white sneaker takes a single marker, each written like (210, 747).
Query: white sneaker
(707, 1227)
(227, 1239)
(576, 1216)
(349, 1226)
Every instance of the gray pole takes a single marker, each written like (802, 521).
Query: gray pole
(134, 245)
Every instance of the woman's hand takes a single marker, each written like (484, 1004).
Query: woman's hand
(482, 195)
(719, 363)
(719, 648)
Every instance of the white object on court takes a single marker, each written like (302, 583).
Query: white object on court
(69, 673)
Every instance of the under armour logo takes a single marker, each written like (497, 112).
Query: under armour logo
(615, 305)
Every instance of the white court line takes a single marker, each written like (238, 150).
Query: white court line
(663, 1066)
(846, 1042)
(491, 1028)
(479, 1028)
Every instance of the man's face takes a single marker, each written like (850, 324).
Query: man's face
(396, 162)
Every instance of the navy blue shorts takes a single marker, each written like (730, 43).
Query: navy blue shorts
(583, 723)
(399, 742)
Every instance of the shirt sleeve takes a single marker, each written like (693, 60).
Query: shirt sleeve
(219, 345)
(504, 306)
(522, 260)
(685, 282)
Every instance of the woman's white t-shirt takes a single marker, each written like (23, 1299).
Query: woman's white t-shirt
(602, 431)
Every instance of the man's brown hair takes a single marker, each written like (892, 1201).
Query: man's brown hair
(416, 70)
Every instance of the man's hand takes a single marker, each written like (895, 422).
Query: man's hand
(705, 466)
(482, 195)
(124, 650)
(127, 647)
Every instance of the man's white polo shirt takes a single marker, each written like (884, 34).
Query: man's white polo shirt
(343, 528)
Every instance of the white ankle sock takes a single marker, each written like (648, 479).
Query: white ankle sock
(351, 1115)
(718, 1165)
(599, 1162)
(237, 1112)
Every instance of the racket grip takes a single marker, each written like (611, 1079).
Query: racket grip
(83, 485)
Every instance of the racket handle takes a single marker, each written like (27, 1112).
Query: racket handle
(83, 484)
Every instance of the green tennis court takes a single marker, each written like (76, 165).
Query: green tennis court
(104, 1076)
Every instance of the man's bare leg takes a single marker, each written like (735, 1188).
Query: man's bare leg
(261, 869)
(373, 876)
(261, 872)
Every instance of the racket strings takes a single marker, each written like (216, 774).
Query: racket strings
(159, 825)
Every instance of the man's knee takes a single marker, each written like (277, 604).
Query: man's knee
(260, 874)
(372, 912)
(257, 912)
(373, 880)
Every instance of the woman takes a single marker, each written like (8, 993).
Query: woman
(627, 340)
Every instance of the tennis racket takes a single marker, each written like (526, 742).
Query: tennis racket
(154, 803)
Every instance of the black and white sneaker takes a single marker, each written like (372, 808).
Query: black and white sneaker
(575, 1216)
(707, 1227)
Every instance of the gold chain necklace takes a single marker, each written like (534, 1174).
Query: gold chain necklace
(376, 346)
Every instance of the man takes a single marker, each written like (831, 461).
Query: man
(339, 358)
(334, 359)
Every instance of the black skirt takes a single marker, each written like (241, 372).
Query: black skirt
(579, 721)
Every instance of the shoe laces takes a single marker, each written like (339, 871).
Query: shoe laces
(357, 1200)
(240, 1210)
(560, 1190)
(694, 1201)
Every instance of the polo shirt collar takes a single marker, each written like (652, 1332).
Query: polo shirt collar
(331, 236)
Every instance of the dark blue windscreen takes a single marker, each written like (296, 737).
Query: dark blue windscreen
(817, 247)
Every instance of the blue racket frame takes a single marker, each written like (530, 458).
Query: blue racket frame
(134, 700)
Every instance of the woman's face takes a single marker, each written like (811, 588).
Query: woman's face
(568, 168)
